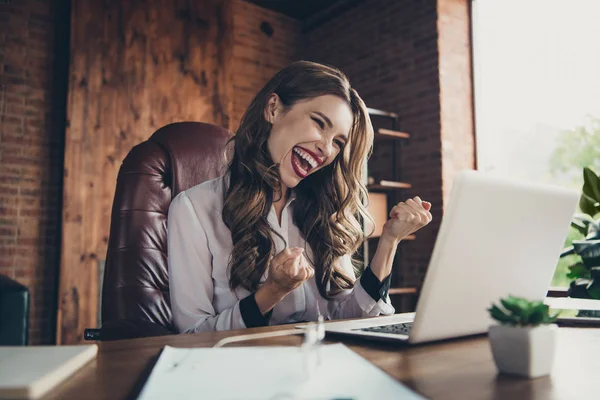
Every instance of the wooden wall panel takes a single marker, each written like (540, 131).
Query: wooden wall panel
(134, 67)
(264, 42)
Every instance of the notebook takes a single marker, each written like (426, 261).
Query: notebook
(30, 372)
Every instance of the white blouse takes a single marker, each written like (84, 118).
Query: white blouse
(199, 246)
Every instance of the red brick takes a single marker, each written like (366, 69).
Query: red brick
(8, 212)
(14, 99)
(29, 179)
(9, 119)
(7, 231)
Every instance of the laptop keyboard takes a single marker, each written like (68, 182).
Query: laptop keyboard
(400, 329)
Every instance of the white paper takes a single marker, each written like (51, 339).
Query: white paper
(264, 373)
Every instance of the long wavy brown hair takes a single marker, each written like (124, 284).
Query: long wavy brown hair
(330, 203)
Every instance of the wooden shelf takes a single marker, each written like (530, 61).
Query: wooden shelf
(381, 113)
(404, 290)
(389, 185)
(410, 237)
(390, 134)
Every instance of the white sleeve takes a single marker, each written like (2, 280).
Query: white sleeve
(356, 302)
(190, 273)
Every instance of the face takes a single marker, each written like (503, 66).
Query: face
(307, 136)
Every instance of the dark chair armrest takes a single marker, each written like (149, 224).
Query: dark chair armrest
(14, 313)
(126, 329)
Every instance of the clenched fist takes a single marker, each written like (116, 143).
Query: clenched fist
(288, 270)
(406, 218)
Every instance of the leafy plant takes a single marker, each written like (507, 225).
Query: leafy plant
(585, 271)
(517, 311)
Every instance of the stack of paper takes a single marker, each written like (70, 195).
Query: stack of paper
(30, 372)
(268, 373)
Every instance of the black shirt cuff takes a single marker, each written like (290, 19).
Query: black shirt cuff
(373, 286)
(251, 313)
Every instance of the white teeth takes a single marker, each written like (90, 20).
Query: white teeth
(313, 163)
(300, 167)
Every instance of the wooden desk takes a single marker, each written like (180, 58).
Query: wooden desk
(461, 369)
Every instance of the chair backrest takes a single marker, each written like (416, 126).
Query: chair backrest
(173, 159)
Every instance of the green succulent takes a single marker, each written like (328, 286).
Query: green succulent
(517, 311)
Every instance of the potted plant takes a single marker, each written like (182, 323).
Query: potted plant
(524, 340)
(585, 270)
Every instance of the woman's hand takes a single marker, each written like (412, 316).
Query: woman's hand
(406, 218)
(288, 270)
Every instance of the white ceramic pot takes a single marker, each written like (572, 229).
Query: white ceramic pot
(523, 351)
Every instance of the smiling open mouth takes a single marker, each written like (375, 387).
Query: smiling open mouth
(302, 162)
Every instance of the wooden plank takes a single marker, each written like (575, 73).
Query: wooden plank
(134, 68)
(404, 290)
(382, 113)
(383, 133)
(389, 185)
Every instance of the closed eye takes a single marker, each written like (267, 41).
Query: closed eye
(339, 143)
(319, 122)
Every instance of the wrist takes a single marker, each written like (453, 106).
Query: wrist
(268, 295)
(273, 289)
(388, 241)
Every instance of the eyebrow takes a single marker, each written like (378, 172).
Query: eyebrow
(327, 120)
(329, 123)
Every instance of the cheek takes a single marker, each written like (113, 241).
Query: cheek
(277, 142)
(332, 158)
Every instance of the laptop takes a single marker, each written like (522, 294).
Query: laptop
(497, 238)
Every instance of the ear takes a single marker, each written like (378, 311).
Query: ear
(272, 107)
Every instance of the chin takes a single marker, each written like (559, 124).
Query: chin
(289, 180)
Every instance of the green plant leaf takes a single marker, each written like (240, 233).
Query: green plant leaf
(593, 232)
(581, 227)
(578, 288)
(535, 318)
(588, 205)
(499, 315)
(549, 319)
(567, 251)
(584, 218)
(587, 248)
(511, 305)
(582, 223)
(520, 311)
(578, 270)
(593, 289)
(539, 313)
(595, 273)
(591, 185)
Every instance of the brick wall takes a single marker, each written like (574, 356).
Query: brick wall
(264, 43)
(456, 90)
(33, 69)
(388, 49)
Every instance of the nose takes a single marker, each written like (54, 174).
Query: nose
(325, 148)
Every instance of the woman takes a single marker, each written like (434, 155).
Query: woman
(270, 242)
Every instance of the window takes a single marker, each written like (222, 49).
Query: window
(537, 91)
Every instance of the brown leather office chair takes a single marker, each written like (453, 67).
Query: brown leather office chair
(135, 294)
